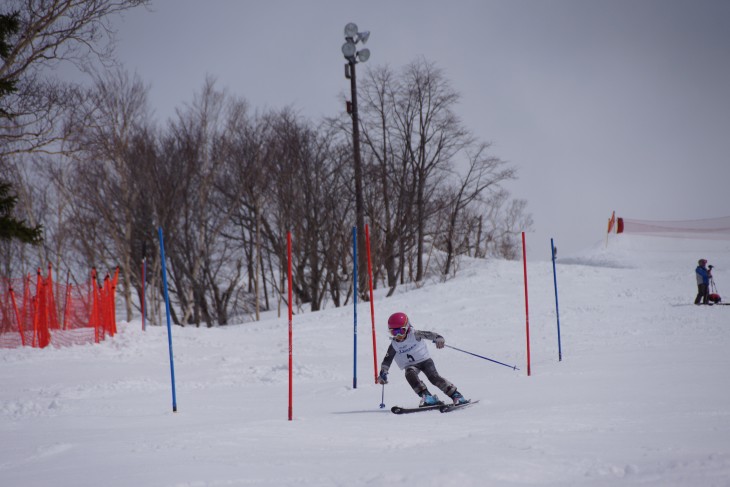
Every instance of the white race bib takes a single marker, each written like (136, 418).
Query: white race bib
(410, 351)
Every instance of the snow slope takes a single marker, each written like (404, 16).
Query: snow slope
(640, 398)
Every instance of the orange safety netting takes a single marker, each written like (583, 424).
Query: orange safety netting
(706, 228)
(36, 312)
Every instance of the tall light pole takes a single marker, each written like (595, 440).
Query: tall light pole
(353, 56)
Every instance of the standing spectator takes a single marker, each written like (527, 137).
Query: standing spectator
(703, 275)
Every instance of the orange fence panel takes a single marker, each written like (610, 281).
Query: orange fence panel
(48, 313)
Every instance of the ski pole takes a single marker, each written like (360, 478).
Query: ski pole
(514, 367)
(382, 398)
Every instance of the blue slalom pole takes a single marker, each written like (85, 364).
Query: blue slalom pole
(354, 295)
(167, 310)
(557, 309)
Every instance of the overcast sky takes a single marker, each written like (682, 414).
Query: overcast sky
(601, 105)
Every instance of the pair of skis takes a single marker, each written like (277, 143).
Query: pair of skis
(444, 408)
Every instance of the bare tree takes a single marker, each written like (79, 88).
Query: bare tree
(50, 32)
(503, 220)
(245, 188)
(433, 136)
(102, 130)
(427, 174)
(198, 144)
(389, 196)
(483, 175)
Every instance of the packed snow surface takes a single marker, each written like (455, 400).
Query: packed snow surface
(640, 397)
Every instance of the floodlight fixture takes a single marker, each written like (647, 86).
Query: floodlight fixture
(363, 55)
(363, 36)
(351, 30)
(348, 49)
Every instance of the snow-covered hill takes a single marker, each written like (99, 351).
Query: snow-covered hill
(641, 396)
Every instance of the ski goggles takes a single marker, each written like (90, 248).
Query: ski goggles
(399, 332)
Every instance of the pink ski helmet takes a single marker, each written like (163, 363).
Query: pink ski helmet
(398, 325)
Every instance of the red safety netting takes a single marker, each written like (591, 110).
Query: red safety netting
(707, 228)
(36, 312)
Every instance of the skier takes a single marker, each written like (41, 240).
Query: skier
(409, 350)
(703, 275)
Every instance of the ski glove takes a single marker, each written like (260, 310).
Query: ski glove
(383, 377)
(440, 342)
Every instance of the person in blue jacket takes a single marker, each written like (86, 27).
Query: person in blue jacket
(703, 275)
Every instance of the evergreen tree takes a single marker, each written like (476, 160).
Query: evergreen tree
(10, 227)
(8, 25)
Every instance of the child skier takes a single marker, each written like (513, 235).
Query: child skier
(410, 353)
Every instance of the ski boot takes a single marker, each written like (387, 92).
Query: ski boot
(428, 400)
(458, 398)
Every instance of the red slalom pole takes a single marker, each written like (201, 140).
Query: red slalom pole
(527, 308)
(372, 304)
(291, 362)
(144, 278)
